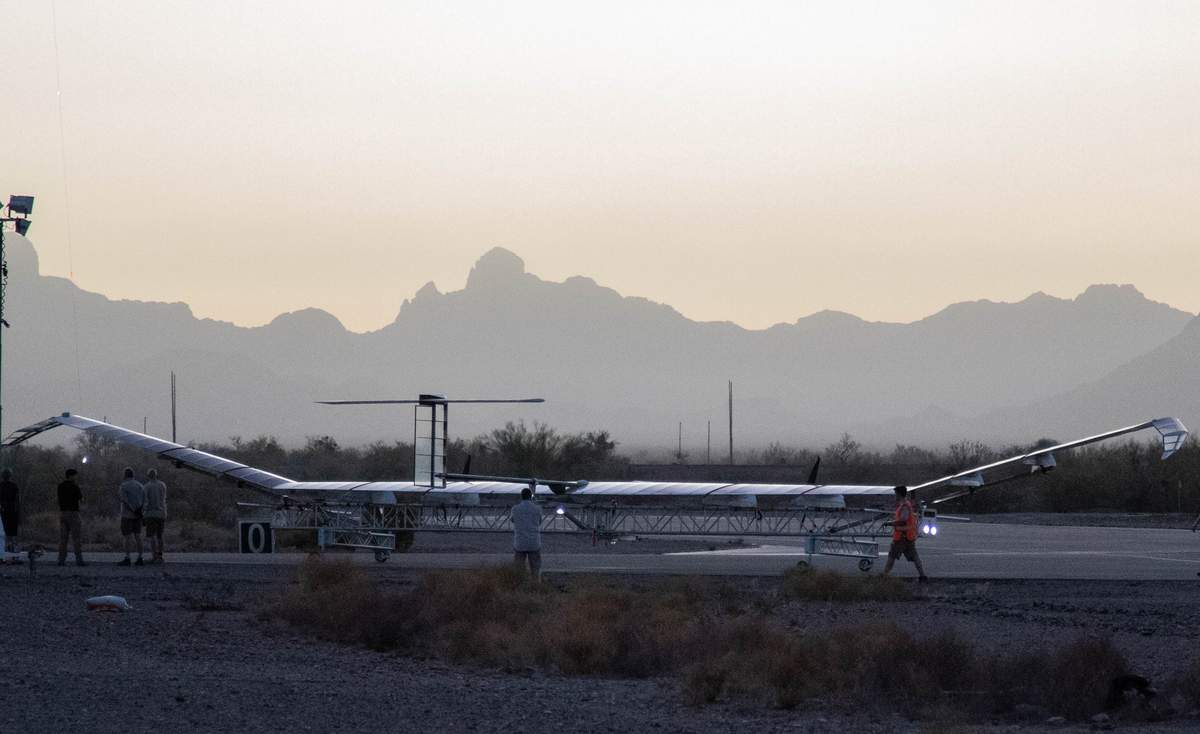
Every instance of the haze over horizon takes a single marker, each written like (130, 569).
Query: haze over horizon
(1001, 372)
(752, 166)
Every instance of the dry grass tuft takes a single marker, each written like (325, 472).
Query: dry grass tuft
(1186, 686)
(1078, 675)
(103, 533)
(338, 601)
(497, 617)
(812, 585)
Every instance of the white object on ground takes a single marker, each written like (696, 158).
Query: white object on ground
(108, 604)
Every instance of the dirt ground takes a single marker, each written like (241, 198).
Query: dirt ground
(194, 654)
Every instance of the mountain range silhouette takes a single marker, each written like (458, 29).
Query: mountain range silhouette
(998, 372)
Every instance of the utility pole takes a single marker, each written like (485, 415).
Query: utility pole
(708, 452)
(173, 407)
(679, 451)
(731, 421)
(22, 206)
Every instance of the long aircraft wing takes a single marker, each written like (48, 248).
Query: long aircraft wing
(247, 476)
(1172, 431)
(181, 456)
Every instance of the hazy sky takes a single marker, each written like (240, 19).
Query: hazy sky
(744, 161)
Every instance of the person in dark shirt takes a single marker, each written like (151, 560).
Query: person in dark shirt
(10, 509)
(69, 526)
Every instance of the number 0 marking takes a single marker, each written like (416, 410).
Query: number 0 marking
(256, 538)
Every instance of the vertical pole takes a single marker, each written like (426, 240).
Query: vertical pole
(731, 421)
(708, 452)
(679, 451)
(173, 440)
(445, 437)
(3, 287)
(144, 428)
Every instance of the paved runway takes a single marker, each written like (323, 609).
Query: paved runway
(963, 550)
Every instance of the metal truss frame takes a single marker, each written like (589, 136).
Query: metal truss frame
(599, 520)
(846, 532)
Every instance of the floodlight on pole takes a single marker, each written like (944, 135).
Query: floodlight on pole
(22, 205)
(19, 209)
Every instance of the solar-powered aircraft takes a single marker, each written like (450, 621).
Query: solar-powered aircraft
(831, 519)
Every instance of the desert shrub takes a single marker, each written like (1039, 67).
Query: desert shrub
(39, 528)
(102, 533)
(338, 601)
(619, 632)
(1072, 680)
(757, 658)
(703, 682)
(489, 616)
(1079, 674)
(809, 584)
(1186, 686)
(498, 617)
(188, 536)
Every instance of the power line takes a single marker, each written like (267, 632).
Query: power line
(62, 151)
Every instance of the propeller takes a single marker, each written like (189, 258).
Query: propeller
(812, 474)
(425, 400)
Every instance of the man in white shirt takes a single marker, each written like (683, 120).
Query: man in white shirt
(527, 534)
(155, 514)
(133, 500)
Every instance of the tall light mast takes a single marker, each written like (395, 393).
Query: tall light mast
(19, 208)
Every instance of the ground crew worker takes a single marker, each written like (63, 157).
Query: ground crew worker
(133, 501)
(527, 534)
(155, 514)
(904, 534)
(69, 526)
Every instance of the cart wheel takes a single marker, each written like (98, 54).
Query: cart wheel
(803, 565)
(382, 555)
(865, 564)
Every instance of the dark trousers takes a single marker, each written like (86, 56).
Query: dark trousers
(533, 557)
(69, 526)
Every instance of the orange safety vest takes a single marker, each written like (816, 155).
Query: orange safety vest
(904, 529)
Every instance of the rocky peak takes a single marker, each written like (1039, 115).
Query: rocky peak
(1109, 294)
(497, 267)
(307, 321)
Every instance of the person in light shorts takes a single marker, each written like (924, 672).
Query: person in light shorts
(154, 514)
(527, 534)
(133, 500)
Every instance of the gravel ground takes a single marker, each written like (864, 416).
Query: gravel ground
(193, 654)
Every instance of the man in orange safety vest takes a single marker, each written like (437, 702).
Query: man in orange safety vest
(904, 534)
